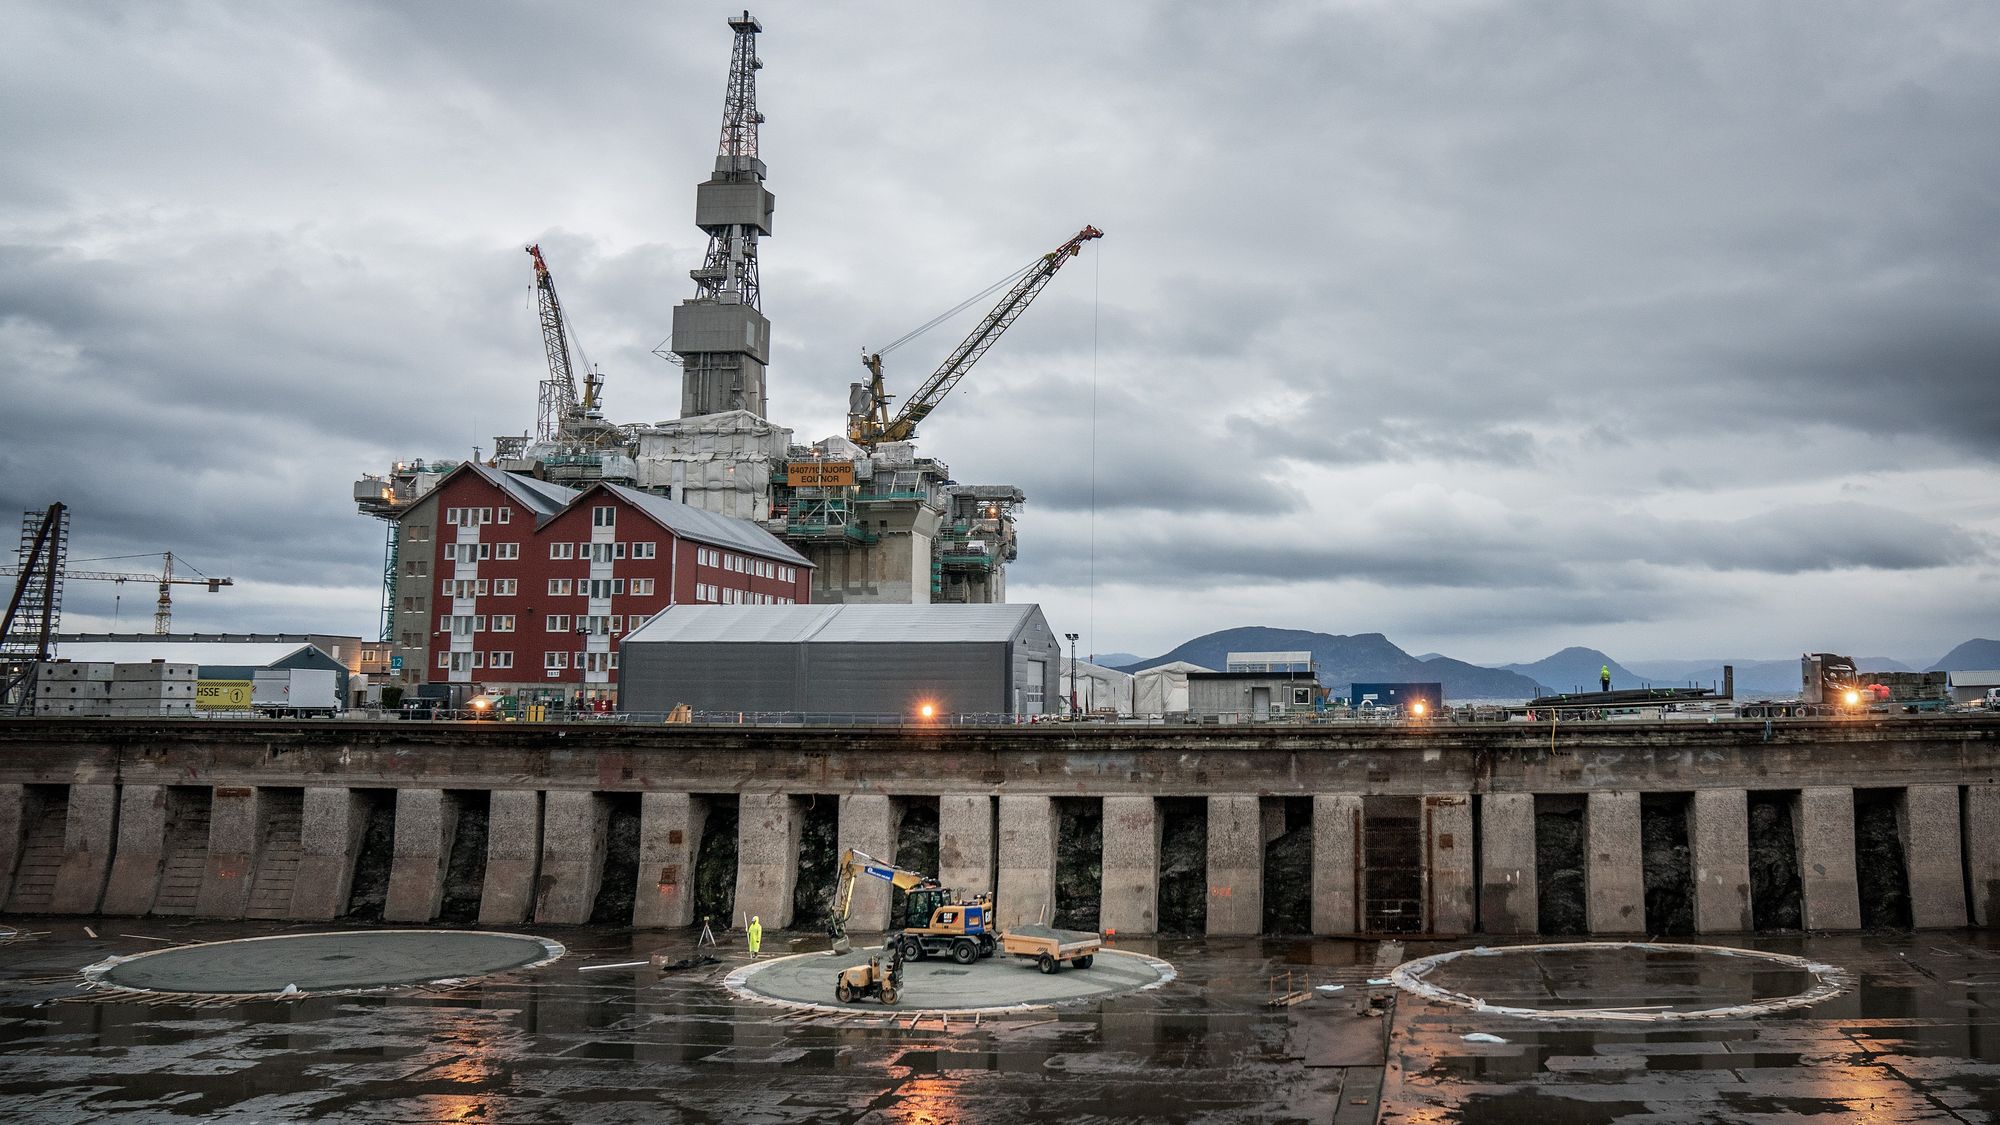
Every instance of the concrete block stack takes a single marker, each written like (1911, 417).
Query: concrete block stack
(68, 688)
(152, 689)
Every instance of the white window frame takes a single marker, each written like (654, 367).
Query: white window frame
(503, 622)
(642, 587)
(555, 660)
(500, 658)
(557, 623)
(506, 587)
(563, 550)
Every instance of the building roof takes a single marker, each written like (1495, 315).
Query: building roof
(690, 522)
(246, 654)
(539, 496)
(1178, 666)
(835, 624)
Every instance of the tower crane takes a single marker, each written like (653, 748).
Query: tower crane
(868, 420)
(563, 414)
(163, 609)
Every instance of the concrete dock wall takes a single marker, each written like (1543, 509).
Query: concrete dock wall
(101, 816)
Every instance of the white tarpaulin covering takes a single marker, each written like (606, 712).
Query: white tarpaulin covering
(1163, 689)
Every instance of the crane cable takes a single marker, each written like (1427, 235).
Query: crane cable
(960, 307)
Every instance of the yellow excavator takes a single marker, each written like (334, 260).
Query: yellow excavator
(935, 922)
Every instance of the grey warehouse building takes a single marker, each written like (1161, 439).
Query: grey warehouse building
(834, 660)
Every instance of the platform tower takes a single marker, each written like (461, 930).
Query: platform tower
(720, 335)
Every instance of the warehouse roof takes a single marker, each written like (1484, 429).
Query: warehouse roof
(835, 624)
(239, 654)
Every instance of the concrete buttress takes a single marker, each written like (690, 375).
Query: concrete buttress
(1027, 892)
(13, 832)
(767, 857)
(1824, 821)
(1336, 900)
(1449, 909)
(142, 841)
(87, 842)
(235, 832)
(1719, 856)
(670, 828)
(425, 822)
(1931, 852)
(513, 856)
(1614, 878)
(1982, 852)
(1235, 865)
(575, 824)
(868, 824)
(965, 844)
(1130, 866)
(330, 824)
(1507, 890)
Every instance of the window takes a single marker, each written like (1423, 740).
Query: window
(416, 568)
(642, 587)
(557, 623)
(603, 517)
(485, 515)
(503, 622)
(444, 623)
(506, 587)
(451, 516)
(478, 659)
(505, 515)
(605, 552)
(486, 550)
(644, 550)
(559, 586)
(418, 533)
(562, 550)
(555, 660)
(500, 659)
(444, 660)
(594, 661)
(604, 587)
(506, 550)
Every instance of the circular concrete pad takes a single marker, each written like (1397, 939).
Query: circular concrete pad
(324, 962)
(998, 983)
(1626, 981)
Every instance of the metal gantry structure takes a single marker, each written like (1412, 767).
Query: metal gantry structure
(720, 337)
(868, 420)
(36, 605)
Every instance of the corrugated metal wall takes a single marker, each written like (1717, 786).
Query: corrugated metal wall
(959, 678)
(714, 676)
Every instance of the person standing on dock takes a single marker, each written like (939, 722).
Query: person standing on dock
(756, 932)
(1604, 677)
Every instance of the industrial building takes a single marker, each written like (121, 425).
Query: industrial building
(1161, 692)
(92, 667)
(835, 661)
(877, 522)
(524, 587)
(1098, 690)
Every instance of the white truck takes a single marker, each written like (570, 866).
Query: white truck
(295, 691)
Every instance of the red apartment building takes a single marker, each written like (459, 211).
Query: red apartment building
(523, 587)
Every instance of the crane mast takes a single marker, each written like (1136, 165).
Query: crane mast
(560, 404)
(868, 421)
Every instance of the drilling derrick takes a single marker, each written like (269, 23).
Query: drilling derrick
(720, 336)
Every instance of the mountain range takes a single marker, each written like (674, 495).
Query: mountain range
(1372, 658)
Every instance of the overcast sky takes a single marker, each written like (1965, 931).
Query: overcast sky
(1670, 329)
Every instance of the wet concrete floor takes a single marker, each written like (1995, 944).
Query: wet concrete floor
(1916, 1039)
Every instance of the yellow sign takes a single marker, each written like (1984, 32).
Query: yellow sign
(819, 474)
(222, 695)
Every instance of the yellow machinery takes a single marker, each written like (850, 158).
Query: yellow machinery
(859, 982)
(934, 923)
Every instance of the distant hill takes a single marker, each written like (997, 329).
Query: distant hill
(1114, 659)
(1576, 669)
(1362, 658)
(1972, 656)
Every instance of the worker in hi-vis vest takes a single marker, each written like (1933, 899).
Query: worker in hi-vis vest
(756, 934)
(1604, 677)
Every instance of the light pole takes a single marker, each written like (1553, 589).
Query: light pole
(1072, 674)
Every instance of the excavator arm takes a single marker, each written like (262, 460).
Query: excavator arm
(868, 423)
(855, 864)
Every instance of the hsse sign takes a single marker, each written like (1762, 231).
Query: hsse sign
(222, 695)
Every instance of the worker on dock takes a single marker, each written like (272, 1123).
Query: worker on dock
(756, 932)
(1604, 677)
